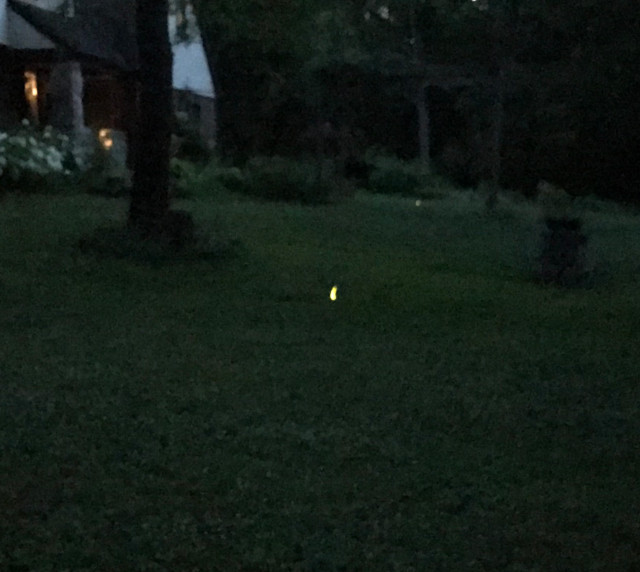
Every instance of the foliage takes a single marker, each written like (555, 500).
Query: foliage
(284, 179)
(393, 176)
(554, 201)
(106, 175)
(35, 160)
(211, 181)
(444, 413)
(569, 82)
(189, 143)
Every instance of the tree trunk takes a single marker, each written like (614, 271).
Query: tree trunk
(420, 97)
(497, 128)
(424, 127)
(150, 194)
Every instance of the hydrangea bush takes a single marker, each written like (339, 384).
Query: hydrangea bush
(31, 156)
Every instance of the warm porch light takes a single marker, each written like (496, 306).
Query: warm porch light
(30, 86)
(31, 95)
(104, 136)
(334, 293)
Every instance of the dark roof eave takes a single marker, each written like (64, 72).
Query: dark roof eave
(69, 35)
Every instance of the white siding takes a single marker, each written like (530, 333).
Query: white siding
(191, 70)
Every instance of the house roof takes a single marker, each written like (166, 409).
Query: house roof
(105, 30)
(102, 29)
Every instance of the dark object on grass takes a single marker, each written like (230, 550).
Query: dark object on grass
(356, 170)
(179, 229)
(563, 258)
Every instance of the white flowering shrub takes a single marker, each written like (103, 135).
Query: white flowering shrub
(29, 155)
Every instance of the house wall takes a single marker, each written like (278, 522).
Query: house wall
(201, 113)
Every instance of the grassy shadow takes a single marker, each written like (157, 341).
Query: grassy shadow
(123, 242)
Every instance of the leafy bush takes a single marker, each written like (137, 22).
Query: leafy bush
(189, 180)
(106, 173)
(34, 160)
(193, 148)
(594, 204)
(283, 179)
(554, 201)
(189, 143)
(105, 178)
(392, 176)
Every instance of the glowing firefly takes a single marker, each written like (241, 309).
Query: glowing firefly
(334, 294)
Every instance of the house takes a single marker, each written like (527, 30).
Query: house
(72, 63)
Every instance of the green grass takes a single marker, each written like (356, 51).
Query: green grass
(444, 414)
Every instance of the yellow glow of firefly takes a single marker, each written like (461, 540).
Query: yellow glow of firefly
(334, 294)
(418, 202)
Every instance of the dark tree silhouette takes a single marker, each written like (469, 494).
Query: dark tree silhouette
(149, 209)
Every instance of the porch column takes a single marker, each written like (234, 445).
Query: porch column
(66, 111)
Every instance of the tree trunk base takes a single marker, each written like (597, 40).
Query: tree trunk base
(176, 229)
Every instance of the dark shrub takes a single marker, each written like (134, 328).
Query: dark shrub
(193, 148)
(356, 170)
(211, 181)
(283, 179)
(393, 176)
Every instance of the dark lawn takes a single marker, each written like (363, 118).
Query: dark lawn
(445, 413)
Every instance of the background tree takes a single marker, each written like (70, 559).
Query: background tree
(502, 90)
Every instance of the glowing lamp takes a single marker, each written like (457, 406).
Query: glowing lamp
(30, 86)
(104, 136)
